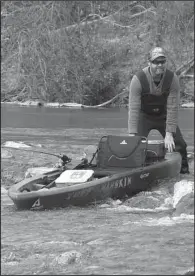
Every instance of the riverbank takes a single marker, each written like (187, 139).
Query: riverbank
(72, 105)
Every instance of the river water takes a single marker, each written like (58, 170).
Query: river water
(143, 235)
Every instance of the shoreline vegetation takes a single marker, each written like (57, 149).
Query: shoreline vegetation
(87, 52)
(76, 105)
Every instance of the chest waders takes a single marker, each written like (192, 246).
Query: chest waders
(151, 104)
(153, 114)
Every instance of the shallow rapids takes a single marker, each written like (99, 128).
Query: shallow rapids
(151, 233)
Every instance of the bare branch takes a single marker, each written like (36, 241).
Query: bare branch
(186, 76)
(105, 20)
(187, 69)
(90, 15)
(118, 25)
(110, 15)
(184, 65)
(106, 103)
(140, 13)
(134, 15)
(189, 22)
(140, 6)
(129, 5)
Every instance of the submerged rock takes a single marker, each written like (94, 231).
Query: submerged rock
(68, 258)
(143, 201)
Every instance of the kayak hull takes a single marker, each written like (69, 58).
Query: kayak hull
(108, 183)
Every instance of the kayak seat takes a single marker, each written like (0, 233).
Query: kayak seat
(121, 152)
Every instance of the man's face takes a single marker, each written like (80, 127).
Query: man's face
(158, 66)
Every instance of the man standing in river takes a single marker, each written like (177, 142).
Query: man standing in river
(154, 98)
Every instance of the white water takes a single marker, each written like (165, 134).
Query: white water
(5, 200)
(167, 201)
(17, 145)
(181, 188)
(167, 221)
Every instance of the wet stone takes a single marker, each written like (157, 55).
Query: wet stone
(143, 202)
(185, 205)
(68, 258)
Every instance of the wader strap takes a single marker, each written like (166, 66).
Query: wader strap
(145, 84)
(167, 81)
(144, 81)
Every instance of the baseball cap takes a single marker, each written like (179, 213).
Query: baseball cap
(156, 52)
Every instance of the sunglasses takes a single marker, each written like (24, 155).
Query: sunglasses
(157, 62)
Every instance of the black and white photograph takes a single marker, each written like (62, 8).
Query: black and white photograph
(97, 137)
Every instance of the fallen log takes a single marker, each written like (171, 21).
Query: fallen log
(105, 103)
(106, 19)
(182, 75)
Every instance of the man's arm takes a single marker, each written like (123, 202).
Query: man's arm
(172, 113)
(134, 105)
(173, 106)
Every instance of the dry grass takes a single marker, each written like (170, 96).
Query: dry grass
(47, 54)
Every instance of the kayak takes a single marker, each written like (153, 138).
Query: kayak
(92, 184)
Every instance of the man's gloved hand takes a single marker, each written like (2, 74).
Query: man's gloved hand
(169, 142)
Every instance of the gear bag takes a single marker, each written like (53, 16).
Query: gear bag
(121, 151)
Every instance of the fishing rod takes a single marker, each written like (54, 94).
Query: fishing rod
(65, 159)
